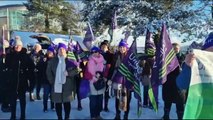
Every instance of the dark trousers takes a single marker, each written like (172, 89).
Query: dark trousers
(5, 99)
(179, 109)
(46, 94)
(128, 103)
(38, 83)
(35, 82)
(95, 105)
(145, 95)
(106, 97)
(67, 109)
(179, 106)
(22, 97)
(78, 81)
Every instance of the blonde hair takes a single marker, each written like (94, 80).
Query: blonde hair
(38, 46)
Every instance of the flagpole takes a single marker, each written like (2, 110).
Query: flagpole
(8, 24)
(3, 46)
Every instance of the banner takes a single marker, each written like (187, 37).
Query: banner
(89, 37)
(149, 44)
(199, 103)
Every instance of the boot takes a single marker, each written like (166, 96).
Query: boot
(125, 117)
(106, 107)
(117, 117)
(79, 106)
(180, 115)
(166, 114)
(66, 118)
(60, 118)
(38, 96)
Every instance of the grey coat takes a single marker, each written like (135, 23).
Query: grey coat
(69, 88)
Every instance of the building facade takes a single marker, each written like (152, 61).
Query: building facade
(12, 17)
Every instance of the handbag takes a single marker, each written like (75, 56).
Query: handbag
(99, 84)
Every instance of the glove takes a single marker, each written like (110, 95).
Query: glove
(109, 83)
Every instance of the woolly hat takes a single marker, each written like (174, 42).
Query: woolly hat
(18, 42)
(95, 49)
(123, 43)
(208, 42)
(62, 45)
(51, 49)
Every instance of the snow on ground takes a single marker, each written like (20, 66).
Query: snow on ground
(34, 110)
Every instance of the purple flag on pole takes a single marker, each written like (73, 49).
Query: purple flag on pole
(80, 52)
(149, 44)
(114, 21)
(166, 60)
(131, 71)
(89, 37)
(127, 34)
(71, 56)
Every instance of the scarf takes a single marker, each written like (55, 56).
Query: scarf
(60, 77)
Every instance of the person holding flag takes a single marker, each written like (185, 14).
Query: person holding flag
(126, 79)
(170, 92)
(199, 103)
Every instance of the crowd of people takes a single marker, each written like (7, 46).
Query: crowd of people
(24, 71)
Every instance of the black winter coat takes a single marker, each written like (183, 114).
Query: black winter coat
(170, 91)
(38, 60)
(18, 66)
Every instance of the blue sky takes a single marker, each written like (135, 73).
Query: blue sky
(8, 2)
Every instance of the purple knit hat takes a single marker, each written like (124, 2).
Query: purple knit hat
(51, 49)
(62, 45)
(95, 49)
(123, 43)
(208, 42)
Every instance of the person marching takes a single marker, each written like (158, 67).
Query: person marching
(61, 77)
(170, 92)
(46, 85)
(95, 67)
(108, 56)
(18, 64)
(36, 78)
(122, 95)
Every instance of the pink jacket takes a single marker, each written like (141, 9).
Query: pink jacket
(95, 64)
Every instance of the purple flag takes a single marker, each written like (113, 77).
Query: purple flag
(71, 56)
(114, 21)
(127, 34)
(80, 52)
(131, 71)
(149, 44)
(166, 60)
(89, 37)
(84, 89)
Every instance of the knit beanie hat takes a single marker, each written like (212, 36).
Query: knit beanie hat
(95, 49)
(51, 49)
(62, 45)
(18, 42)
(123, 43)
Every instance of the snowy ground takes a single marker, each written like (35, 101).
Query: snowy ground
(34, 111)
